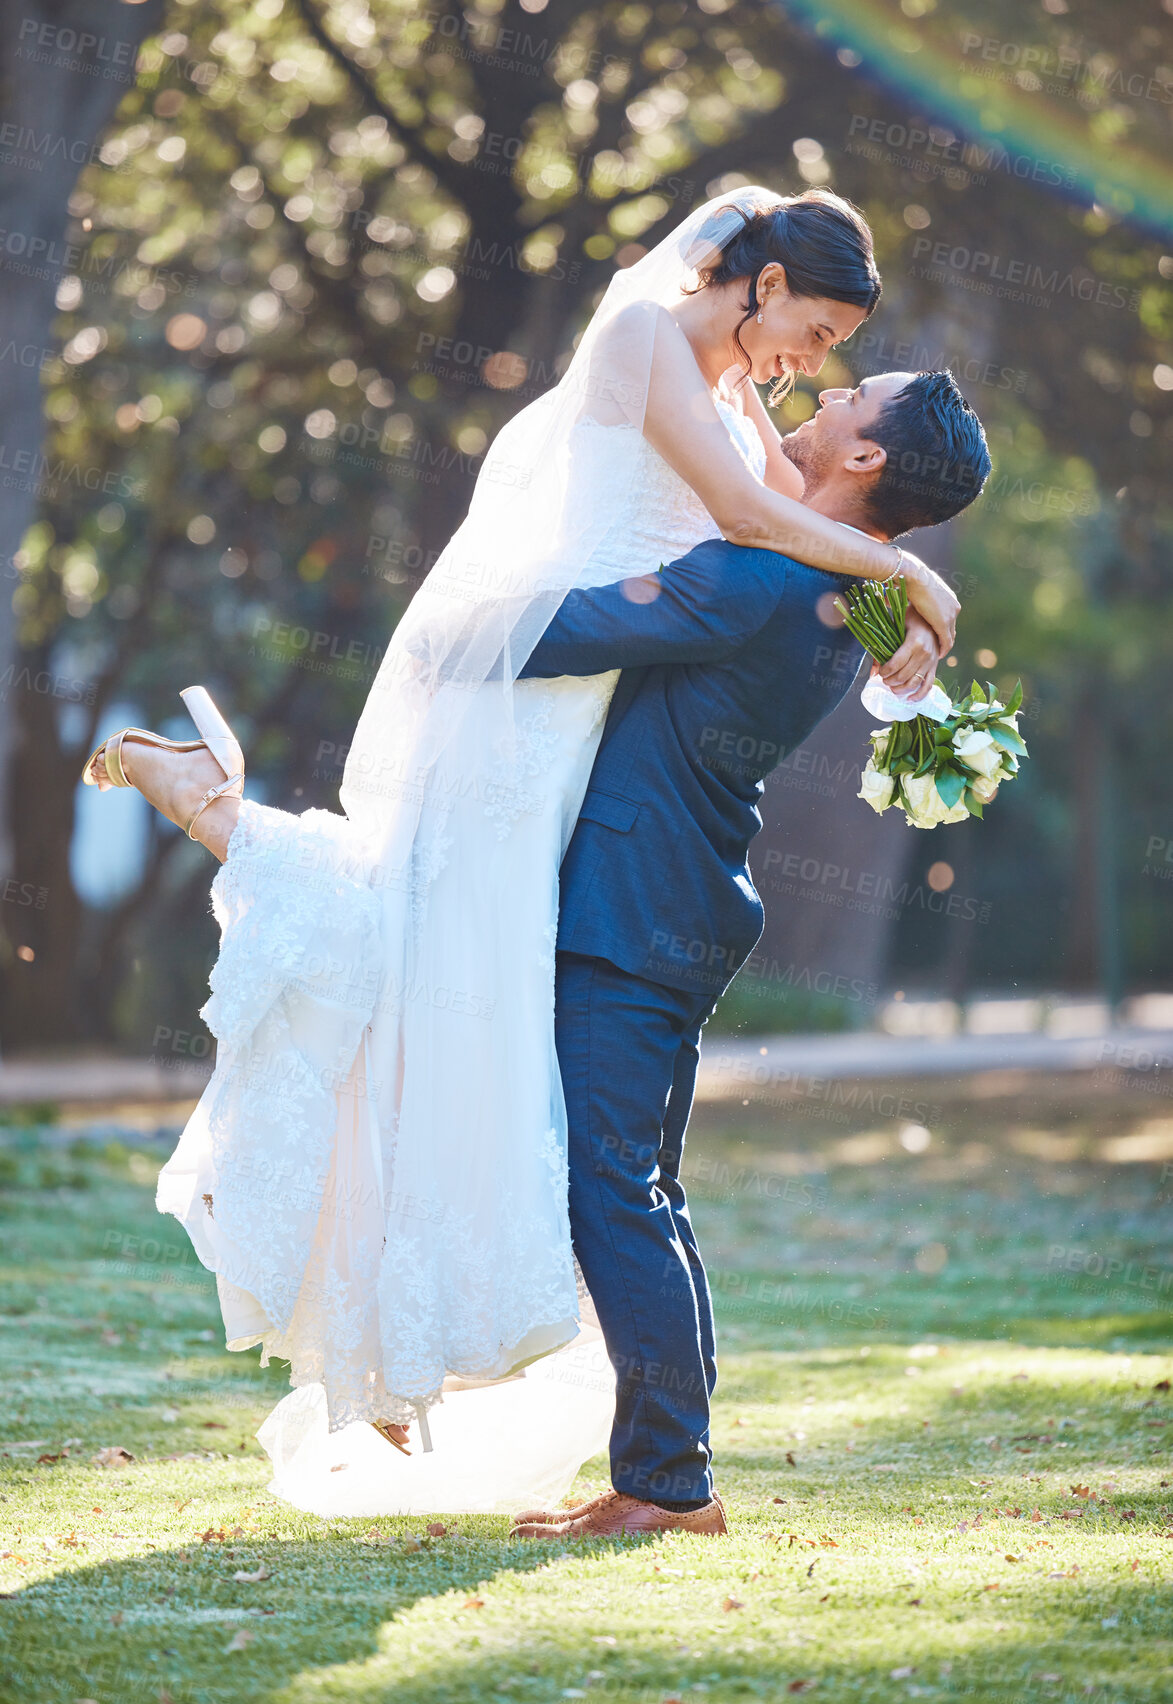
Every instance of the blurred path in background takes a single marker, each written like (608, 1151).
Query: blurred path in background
(936, 1038)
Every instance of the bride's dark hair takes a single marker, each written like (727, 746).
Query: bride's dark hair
(825, 245)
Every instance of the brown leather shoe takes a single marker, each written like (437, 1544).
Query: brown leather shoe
(614, 1515)
(543, 1517)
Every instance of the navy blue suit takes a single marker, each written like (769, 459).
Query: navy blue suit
(728, 664)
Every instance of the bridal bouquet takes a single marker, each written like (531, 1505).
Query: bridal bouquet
(948, 757)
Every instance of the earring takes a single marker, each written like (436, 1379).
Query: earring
(759, 319)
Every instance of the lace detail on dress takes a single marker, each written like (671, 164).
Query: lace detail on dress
(663, 517)
(601, 689)
(429, 857)
(529, 756)
(547, 951)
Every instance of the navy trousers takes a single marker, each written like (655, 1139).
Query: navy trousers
(628, 1051)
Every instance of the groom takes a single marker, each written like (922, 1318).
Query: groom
(729, 660)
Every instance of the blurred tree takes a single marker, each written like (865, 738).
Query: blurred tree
(329, 248)
(63, 69)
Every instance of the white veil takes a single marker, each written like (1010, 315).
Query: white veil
(497, 584)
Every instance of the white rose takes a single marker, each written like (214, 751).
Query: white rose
(876, 789)
(985, 788)
(977, 751)
(922, 801)
(926, 807)
(881, 740)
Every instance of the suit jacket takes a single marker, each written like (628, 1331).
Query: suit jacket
(727, 665)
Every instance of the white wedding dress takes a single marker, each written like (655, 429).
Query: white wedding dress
(377, 1173)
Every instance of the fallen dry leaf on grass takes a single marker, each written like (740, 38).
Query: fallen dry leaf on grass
(731, 1603)
(240, 1641)
(801, 1685)
(437, 1529)
(473, 1603)
(243, 1578)
(113, 1456)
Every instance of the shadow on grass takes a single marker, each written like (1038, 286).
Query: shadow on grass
(126, 1631)
(167, 1623)
(1064, 1665)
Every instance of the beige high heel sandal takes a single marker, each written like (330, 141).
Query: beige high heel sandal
(215, 734)
(383, 1428)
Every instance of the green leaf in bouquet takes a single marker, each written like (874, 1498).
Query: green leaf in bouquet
(977, 696)
(1007, 738)
(950, 784)
(973, 805)
(1015, 700)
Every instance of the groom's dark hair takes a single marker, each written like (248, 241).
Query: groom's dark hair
(938, 459)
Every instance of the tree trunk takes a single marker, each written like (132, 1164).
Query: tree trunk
(1093, 940)
(39, 993)
(826, 867)
(64, 66)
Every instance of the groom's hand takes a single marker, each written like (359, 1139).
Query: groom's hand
(910, 670)
(933, 599)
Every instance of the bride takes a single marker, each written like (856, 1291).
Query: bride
(376, 1172)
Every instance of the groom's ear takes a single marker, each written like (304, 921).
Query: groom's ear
(865, 457)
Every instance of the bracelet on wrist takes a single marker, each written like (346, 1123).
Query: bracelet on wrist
(899, 565)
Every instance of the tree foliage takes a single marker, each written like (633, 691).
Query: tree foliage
(329, 246)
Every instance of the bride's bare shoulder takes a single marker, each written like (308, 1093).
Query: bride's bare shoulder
(637, 325)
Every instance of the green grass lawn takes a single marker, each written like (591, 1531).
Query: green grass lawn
(942, 1430)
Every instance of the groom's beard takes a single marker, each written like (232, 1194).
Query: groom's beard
(810, 457)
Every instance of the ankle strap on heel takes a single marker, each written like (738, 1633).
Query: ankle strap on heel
(232, 785)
